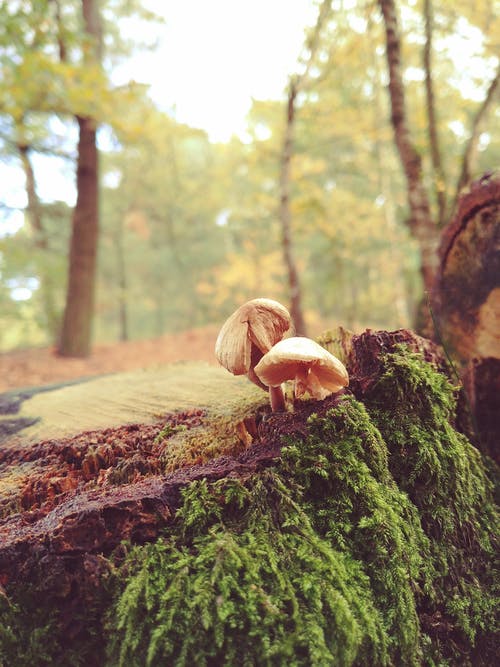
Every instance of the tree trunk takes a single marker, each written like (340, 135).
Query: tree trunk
(34, 206)
(286, 217)
(76, 331)
(122, 283)
(385, 184)
(420, 221)
(437, 165)
(47, 287)
(297, 83)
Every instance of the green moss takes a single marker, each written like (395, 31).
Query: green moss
(369, 543)
(246, 580)
(25, 639)
(316, 562)
(446, 480)
(32, 634)
(354, 503)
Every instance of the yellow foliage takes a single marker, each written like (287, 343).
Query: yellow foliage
(137, 222)
(244, 276)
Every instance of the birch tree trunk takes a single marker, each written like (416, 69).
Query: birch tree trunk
(420, 221)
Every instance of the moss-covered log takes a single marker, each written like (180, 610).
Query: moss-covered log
(357, 531)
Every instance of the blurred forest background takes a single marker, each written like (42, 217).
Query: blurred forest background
(332, 203)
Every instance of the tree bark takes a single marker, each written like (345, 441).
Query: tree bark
(467, 298)
(481, 387)
(437, 164)
(76, 333)
(286, 217)
(41, 243)
(420, 222)
(122, 283)
(34, 206)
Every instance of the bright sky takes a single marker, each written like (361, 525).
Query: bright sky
(215, 55)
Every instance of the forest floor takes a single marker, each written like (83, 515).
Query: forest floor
(41, 366)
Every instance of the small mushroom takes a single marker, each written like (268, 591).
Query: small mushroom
(247, 335)
(312, 367)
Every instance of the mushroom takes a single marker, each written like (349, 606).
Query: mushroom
(312, 367)
(247, 335)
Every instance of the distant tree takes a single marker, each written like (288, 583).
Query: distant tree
(159, 230)
(76, 332)
(296, 84)
(439, 177)
(423, 223)
(470, 154)
(50, 59)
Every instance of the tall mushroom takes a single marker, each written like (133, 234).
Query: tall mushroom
(247, 335)
(312, 367)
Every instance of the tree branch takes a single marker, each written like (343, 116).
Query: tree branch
(470, 154)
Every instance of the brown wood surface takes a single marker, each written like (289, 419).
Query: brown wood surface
(467, 293)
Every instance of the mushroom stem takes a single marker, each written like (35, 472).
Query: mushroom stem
(277, 399)
(301, 381)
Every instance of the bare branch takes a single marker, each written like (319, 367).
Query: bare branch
(470, 154)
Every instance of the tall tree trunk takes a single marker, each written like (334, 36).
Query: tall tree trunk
(77, 323)
(471, 149)
(60, 40)
(35, 216)
(297, 83)
(122, 282)
(437, 164)
(34, 206)
(286, 217)
(384, 176)
(76, 333)
(420, 222)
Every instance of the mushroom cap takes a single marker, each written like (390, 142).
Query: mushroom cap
(318, 371)
(250, 332)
